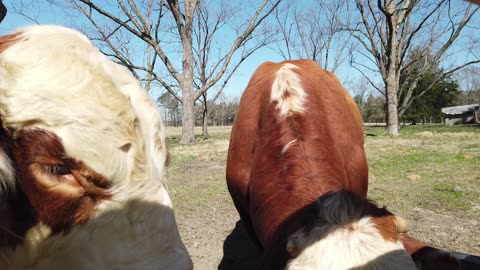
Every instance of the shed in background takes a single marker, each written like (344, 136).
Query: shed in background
(465, 114)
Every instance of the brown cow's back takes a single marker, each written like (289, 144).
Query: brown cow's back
(280, 163)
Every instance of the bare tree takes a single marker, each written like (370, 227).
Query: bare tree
(118, 43)
(360, 92)
(389, 29)
(3, 11)
(468, 78)
(314, 32)
(170, 106)
(212, 22)
(469, 82)
(165, 29)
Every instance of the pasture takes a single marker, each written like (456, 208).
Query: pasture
(429, 175)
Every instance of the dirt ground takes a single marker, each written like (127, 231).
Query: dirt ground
(215, 238)
(212, 231)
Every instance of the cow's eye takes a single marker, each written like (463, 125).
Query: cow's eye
(57, 169)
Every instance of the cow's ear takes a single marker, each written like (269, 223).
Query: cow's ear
(402, 225)
(295, 243)
(148, 119)
(292, 248)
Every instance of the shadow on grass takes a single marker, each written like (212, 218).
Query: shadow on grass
(239, 251)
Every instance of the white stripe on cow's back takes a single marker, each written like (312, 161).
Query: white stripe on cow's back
(288, 146)
(287, 91)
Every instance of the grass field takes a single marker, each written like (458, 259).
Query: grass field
(430, 175)
(436, 167)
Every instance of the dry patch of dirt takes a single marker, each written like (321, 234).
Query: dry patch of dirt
(445, 231)
(207, 217)
(430, 134)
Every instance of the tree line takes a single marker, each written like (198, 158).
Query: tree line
(221, 113)
(462, 88)
(372, 106)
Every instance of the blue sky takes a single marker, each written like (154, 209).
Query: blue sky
(46, 14)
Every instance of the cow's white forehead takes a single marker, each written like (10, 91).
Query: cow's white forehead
(54, 78)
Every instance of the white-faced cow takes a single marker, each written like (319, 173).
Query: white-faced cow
(298, 176)
(82, 160)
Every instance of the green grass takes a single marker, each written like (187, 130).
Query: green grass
(199, 192)
(197, 171)
(432, 167)
(199, 139)
(453, 197)
(409, 130)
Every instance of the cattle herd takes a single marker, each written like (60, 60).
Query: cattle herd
(83, 168)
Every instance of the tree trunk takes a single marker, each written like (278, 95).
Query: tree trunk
(205, 123)
(391, 85)
(392, 71)
(205, 115)
(188, 118)
(188, 93)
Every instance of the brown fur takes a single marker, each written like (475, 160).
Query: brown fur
(60, 200)
(387, 227)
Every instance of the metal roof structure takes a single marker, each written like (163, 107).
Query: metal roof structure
(461, 109)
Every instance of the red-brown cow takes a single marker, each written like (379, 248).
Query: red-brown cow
(298, 175)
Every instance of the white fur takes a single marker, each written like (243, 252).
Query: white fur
(7, 177)
(54, 78)
(287, 91)
(288, 145)
(359, 247)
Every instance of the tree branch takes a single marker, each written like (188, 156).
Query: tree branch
(139, 34)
